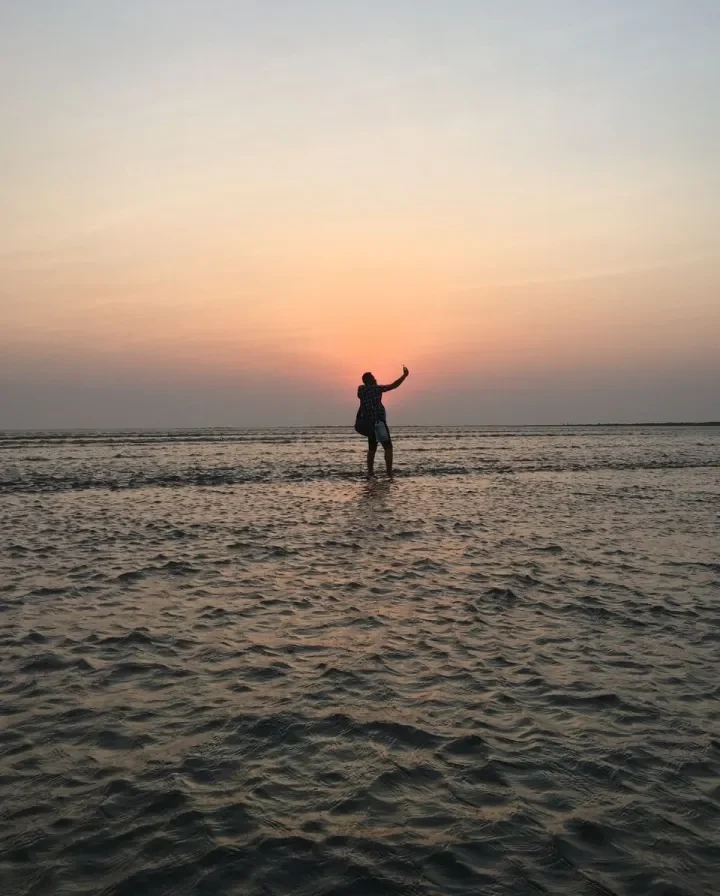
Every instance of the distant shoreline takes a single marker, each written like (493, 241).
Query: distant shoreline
(50, 432)
(706, 423)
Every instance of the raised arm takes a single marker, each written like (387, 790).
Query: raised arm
(398, 382)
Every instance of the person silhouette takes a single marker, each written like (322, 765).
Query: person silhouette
(371, 420)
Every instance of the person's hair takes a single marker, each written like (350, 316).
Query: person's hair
(368, 378)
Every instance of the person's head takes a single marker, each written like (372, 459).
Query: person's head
(369, 379)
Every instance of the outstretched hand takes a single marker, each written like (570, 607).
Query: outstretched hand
(406, 372)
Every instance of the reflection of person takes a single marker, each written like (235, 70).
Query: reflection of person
(371, 419)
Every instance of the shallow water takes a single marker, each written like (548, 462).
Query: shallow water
(229, 665)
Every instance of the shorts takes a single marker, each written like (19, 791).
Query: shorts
(373, 442)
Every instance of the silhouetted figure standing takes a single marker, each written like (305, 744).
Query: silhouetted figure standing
(371, 419)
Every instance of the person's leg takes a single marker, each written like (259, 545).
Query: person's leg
(388, 448)
(372, 448)
(389, 458)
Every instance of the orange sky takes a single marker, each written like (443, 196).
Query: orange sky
(237, 197)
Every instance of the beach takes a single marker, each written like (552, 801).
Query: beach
(229, 664)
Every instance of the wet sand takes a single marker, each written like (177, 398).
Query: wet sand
(229, 665)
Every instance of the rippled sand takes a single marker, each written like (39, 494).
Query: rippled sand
(496, 675)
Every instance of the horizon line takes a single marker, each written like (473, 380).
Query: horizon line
(207, 427)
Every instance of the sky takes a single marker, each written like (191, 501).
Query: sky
(222, 212)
